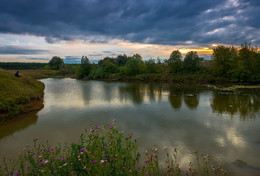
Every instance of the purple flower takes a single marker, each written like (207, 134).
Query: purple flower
(52, 149)
(82, 150)
(112, 136)
(97, 127)
(121, 172)
(106, 158)
(41, 149)
(147, 161)
(175, 149)
(189, 168)
(115, 159)
(42, 163)
(57, 158)
(10, 172)
(36, 156)
(94, 161)
(155, 156)
(110, 127)
(36, 138)
(92, 130)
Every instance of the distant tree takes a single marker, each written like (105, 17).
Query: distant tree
(151, 66)
(134, 66)
(84, 69)
(121, 60)
(191, 62)
(174, 62)
(223, 60)
(109, 67)
(56, 63)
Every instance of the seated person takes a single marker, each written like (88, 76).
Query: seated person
(17, 74)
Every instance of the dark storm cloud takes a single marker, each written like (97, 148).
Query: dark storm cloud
(9, 49)
(145, 21)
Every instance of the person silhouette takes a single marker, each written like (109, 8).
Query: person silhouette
(17, 74)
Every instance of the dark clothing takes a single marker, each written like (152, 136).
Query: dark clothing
(17, 74)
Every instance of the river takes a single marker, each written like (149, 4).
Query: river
(223, 124)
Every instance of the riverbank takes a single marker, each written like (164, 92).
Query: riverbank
(19, 95)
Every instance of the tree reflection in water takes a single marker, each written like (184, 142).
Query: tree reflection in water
(245, 104)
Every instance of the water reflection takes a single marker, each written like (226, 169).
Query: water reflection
(246, 105)
(8, 128)
(181, 116)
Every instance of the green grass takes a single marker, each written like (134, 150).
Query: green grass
(15, 93)
(103, 150)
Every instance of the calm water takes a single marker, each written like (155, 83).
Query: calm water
(225, 125)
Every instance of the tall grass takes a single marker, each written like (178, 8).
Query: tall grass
(102, 150)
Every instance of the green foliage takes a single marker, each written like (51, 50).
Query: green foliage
(103, 150)
(84, 69)
(151, 66)
(222, 60)
(174, 62)
(134, 66)
(56, 63)
(121, 60)
(191, 63)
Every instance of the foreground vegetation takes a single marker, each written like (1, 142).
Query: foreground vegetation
(103, 150)
(16, 94)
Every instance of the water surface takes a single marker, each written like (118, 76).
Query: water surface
(225, 125)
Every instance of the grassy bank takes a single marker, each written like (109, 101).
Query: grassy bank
(104, 150)
(18, 95)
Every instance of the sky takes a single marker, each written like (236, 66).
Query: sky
(36, 30)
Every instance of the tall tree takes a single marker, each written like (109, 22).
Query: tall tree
(56, 63)
(174, 62)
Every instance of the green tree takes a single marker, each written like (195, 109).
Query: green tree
(56, 63)
(134, 66)
(174, 62)
(84, 69)
(191, 62)
(151, 66)
(223, 60)
(121, 60)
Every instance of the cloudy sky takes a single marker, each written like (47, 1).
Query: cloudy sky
(36, 30)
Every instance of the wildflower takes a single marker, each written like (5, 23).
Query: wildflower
(189, 169)
(115, 159)
(82, 150)
(121, 172)
(65, 164)
(36, 138)
(92, 130)
(110, 127)
(155, 156)
(42, 163)
(102, 161)
(175, 149)
(73, 172)
(52, 149)
(36, 156)
(10, 172)
(147, 161)
(97, 127)
(46, 161)
(94, 161)
(41, 149)
(57, 158)
(18, 173)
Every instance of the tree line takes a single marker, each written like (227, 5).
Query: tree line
(237, 64)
